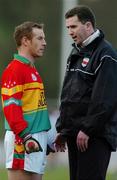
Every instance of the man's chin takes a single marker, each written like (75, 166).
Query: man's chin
(38, 55)
(78, 43)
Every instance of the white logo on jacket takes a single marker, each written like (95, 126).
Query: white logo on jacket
(85, 62)
(34, 78)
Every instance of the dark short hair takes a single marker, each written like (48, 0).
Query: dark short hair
(25, 29)
(83, 13)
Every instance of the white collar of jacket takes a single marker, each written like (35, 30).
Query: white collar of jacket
(91, 38)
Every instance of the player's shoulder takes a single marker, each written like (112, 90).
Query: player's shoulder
(13, 67)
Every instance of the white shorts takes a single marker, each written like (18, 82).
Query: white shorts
(16, 158)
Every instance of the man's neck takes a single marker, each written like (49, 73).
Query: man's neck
(26, 54)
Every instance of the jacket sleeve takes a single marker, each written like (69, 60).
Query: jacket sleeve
(12, 91)
(104, 98)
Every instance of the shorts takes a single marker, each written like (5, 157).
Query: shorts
(17, 158)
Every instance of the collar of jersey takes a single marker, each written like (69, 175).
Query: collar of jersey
(22, 59)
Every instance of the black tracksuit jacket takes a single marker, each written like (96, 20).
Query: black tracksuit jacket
(89, 93)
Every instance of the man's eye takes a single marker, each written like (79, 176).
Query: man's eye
(73, 27)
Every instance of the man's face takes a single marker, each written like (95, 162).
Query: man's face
(77, 30)
(37, 44)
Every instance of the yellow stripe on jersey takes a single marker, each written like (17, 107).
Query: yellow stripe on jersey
(20, 88)
(35, 111)
(33, 85)
(11, 91)
(38, 100)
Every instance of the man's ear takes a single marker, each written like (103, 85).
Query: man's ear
(88, 24)
(24, 41)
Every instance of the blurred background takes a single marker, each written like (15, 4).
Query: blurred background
(52, 65)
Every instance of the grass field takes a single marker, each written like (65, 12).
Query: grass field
(57, 173)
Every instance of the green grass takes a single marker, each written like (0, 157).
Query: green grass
(112, 176)
(3, 174)
(58, 173)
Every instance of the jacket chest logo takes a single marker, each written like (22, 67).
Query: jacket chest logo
(34, 78)
(85, 61)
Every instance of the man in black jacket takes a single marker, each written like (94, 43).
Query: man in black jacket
(88, 110)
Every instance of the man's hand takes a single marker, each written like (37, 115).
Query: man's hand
(59, 143)
(82, 141)
(31, 145)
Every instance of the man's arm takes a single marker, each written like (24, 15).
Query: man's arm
(103, 99)
(12, 91)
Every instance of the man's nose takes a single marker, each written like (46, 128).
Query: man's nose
(44, 42)
(70, 32)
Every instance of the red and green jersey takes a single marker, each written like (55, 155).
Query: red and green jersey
(23, 98)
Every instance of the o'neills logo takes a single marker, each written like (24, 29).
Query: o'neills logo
(85, 62)
(34, 78)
